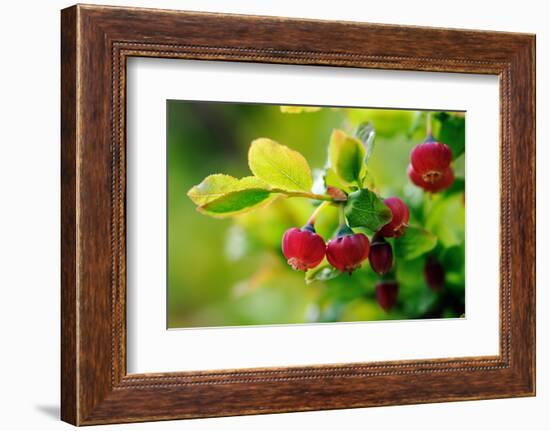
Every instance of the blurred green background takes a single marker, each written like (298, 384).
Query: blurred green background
(232, 272)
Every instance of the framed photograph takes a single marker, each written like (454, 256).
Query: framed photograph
(266, 215)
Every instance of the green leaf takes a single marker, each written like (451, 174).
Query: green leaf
(299, 109)
(446, 219)
(321, 273)
(346, 155)
(279, 166)
(366, 134)
(333, 180)
(217, 185)
(414, 243)
(452, 132)
(366, 209)
(235, 203)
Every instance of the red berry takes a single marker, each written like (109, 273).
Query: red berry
(434, 274)
(386, 294)
(400, 218)
(303, 248)
(430, 159)
(347, 252)
(443, 183)
(381, 255)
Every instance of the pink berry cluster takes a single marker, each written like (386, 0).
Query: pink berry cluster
(304, 249)
(430, 167)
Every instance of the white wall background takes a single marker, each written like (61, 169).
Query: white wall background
(29, 215)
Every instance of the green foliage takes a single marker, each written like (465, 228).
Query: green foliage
(366, 209)
(239, 274)
(366, 134)
(446, 217)
(323, 272)
(333, 180)
(237, 202)
(452, 132)
(387, 123)
(222, 195)
(216, 186)
(299, 109)
(346, 155)
(414, 243)
(279, 166)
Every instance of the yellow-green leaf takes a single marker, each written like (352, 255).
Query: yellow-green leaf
(279, 166)
(346, 156)
(236, 202)
(333, 180)
(217, 185)
(299, 109)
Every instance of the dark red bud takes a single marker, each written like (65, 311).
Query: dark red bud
(430, 159)
(303, 248)
(347, 252)
(337, 194)
(444, 182)
(386, 294)
(381, 255)
(400, 218)
(434, 274)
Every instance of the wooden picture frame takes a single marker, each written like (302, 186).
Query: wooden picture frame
(96, 41)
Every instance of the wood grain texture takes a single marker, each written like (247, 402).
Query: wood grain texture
(69, 396)
(96, 41)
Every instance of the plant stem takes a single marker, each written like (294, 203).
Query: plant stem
(429, 124)
(342, 215)
(303, 195)
(317, 211)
